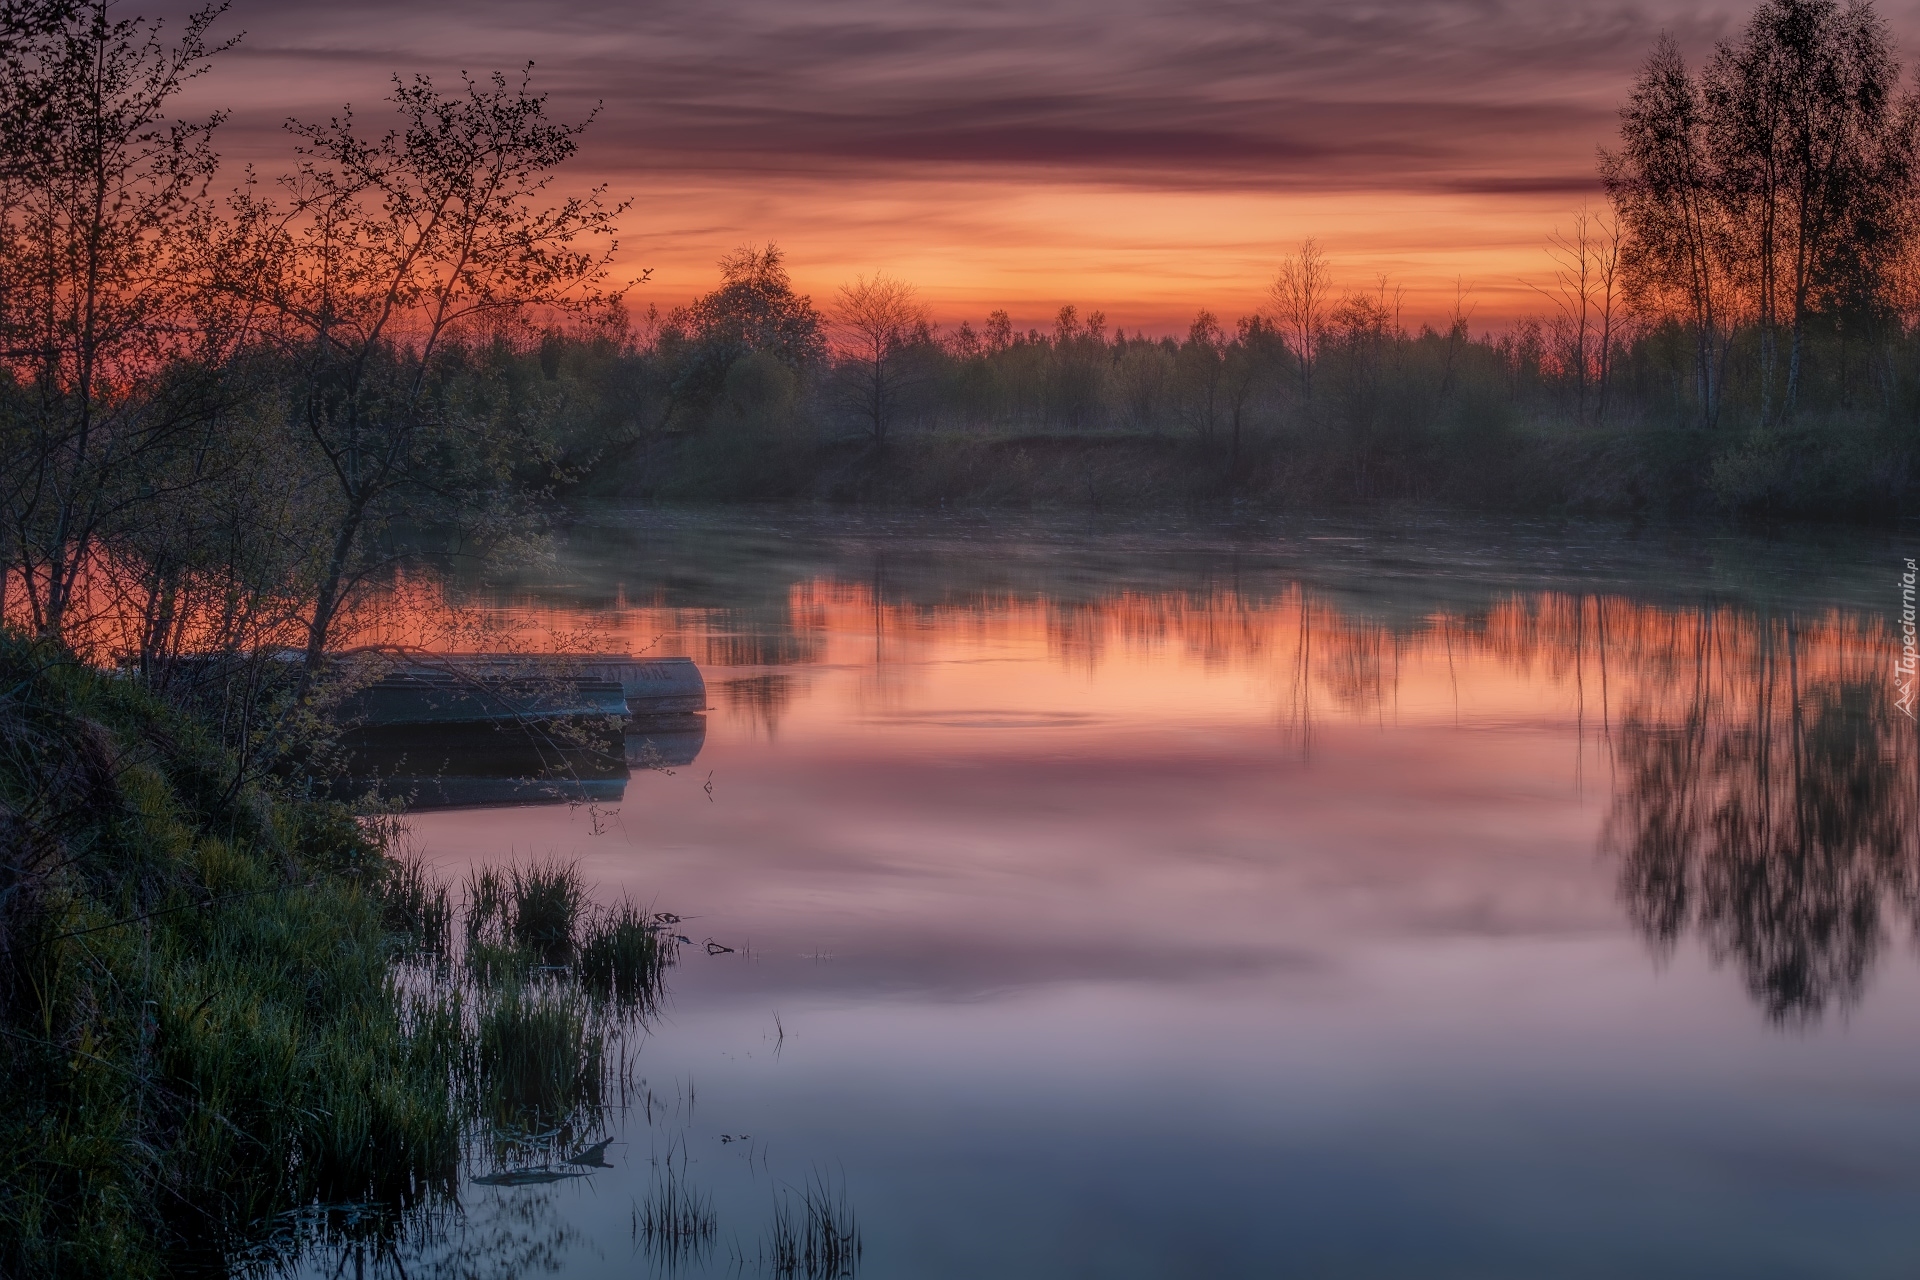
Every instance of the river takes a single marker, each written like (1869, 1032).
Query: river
(1320, 896)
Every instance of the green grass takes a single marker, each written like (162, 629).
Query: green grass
(622, 955)
(544, 901)
(417, 907)
(198, 1019)
(223, 1009)
(533, 908)
(541, 1053)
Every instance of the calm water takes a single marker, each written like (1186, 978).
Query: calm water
(1319, 898)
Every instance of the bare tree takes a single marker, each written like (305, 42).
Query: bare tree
(384, 251)
(99, 184)
(1300, 294)
(1584, 290)
(874, 321)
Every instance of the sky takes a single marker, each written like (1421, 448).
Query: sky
(1138, 157)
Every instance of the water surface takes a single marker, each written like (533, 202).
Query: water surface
(1319, 897)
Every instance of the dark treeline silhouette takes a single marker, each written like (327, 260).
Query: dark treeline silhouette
(1594, 407)
(1736, 330)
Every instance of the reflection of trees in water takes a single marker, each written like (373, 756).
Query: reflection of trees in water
(772, 637)
(1358, 664)
(760, 700)
(1214, 626)
(1776, 819)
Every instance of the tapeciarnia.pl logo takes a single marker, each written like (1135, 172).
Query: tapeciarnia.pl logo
(1903, 670)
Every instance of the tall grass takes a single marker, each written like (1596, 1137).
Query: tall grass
(533, 907)
(417, 906)
(221, 1006)
(545, 900)
(675, 1224)
(531, 1021)
(623, 954)
(540, 1052)
(199, 1023)
(815, 1234)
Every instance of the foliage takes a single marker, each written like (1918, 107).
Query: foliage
(199, 1025)
(1530, 419)
(755, 310)
(1774, 188)
(220, 1007)
(384, 251)
(106, 361)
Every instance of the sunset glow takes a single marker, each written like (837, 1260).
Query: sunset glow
(1021, 638)
(846, 663)
(1143, 159)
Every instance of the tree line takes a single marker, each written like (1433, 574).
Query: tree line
(227, 411)
(1733, 328)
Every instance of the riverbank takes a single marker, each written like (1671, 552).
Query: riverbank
(237, 1023)
(200, 1025)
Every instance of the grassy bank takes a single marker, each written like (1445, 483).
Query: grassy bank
(199, 1018)
(222, 1008)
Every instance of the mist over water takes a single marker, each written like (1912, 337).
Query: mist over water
(1333, 897)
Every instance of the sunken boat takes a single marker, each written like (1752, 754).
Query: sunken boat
(483, 729)
(482, 688)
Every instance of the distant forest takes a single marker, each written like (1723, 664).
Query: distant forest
(1736, 328)
(232, 406)
(1597, 408)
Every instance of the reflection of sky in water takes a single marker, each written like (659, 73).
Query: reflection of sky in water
(1116, 931)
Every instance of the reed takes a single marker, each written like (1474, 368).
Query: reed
(544, 904)
(539, 1051)
(814, 1234)
(675, 1224)
(623, 954)
(418, 906)
(486, 906)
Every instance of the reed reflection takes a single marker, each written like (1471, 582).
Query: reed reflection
(1776, 819)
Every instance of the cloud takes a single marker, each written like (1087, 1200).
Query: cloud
(1442, 95)
(1143, 155)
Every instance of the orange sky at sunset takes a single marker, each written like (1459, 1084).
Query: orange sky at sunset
(1140, 158)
